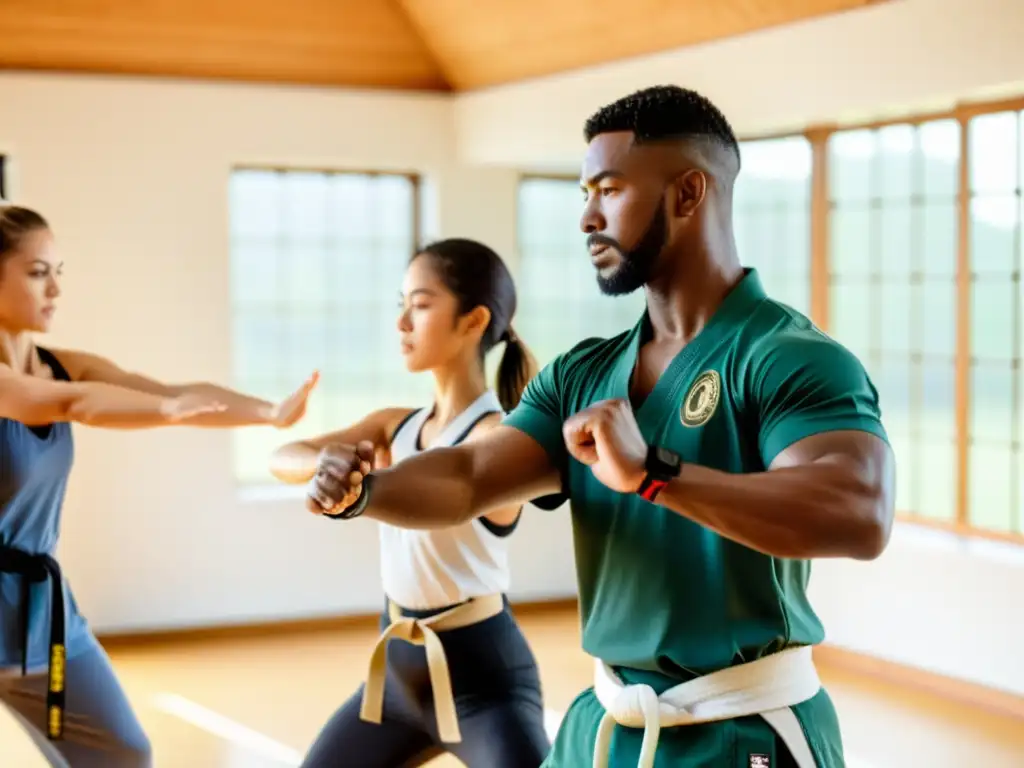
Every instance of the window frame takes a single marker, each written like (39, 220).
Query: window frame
(821, 276)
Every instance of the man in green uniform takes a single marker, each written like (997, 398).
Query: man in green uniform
(708, 453)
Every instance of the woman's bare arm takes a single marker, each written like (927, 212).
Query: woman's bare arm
(239, 409)
(295, 462)
(37, 401)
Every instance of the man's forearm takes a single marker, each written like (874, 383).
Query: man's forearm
(432, 489)
(815, 510)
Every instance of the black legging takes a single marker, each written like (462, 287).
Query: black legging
(497, 696)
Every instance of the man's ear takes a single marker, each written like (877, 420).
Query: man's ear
(690, 189)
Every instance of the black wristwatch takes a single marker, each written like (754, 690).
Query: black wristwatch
(356, 508)
(662, 466)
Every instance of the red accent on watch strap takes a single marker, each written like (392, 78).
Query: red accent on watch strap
(650, 493)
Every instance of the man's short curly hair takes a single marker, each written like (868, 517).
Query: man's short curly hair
(663, 113)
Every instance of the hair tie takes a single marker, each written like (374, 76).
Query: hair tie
(510, 336)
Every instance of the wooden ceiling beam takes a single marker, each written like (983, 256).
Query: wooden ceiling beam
(363, 43)
(493, 42)
(433, 45)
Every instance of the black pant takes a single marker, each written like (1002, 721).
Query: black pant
(497, 696)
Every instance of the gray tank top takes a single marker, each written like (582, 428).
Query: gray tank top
(429, 569)
(35, 463)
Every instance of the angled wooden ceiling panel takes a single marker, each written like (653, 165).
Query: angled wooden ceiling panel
(483, 43)
(367, 43)
(434, 45)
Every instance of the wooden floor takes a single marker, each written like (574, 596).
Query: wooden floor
(258, 702)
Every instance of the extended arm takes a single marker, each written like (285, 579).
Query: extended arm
(295, 462)
(239, 409)
(36, 401)
(501, 467)
(830, 495)
(447, 486)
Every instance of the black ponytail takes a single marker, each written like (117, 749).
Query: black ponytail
(515, 370)
(477, 276)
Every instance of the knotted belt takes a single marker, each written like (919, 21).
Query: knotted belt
(35, 569)
(424, 632)
(768, 687)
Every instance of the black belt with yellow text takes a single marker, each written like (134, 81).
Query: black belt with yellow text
(36, 569)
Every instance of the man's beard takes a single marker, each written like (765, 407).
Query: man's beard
(637, 266)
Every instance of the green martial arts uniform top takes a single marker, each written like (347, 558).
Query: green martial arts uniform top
(662, 598)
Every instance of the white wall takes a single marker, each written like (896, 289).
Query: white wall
(133, 176)
(932, 600)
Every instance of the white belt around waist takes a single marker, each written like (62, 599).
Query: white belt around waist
(424, 632)
(768, 687)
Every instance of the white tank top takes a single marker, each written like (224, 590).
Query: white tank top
(428, 569)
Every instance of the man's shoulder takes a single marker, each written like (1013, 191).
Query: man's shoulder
(777, 332)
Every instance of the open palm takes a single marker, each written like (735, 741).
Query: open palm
(289, 411)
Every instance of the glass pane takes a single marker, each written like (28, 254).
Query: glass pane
(992, 318)
(548, 212)
(258, 343)
(990, 487)
(906, 455)
(745, 226)
(894, 383)
(992, 404)
(1020, 152)
(394, 196)
(559, 299)
(255, 272)
(795, 241)
(935, 395)
(303, 279)
(937, 239)
(935, 305)
(895, 162)
(852, 309)
(775, 171)
(351, 211)
(851, 157)
(898, 228)
(304, 203)
(794, 291)
(255, 207)
(940, 151)
(756, 249)
(895, 302)
(994, 224)
(993, 152)
(308, 339)
(937, 486)
(850, 242)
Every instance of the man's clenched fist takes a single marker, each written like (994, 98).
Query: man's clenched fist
(338, 479)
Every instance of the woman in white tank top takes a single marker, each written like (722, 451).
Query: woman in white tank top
(449, 584)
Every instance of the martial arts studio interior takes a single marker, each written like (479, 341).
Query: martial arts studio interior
(235, 190)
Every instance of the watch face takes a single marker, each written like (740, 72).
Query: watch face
(666, 457)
